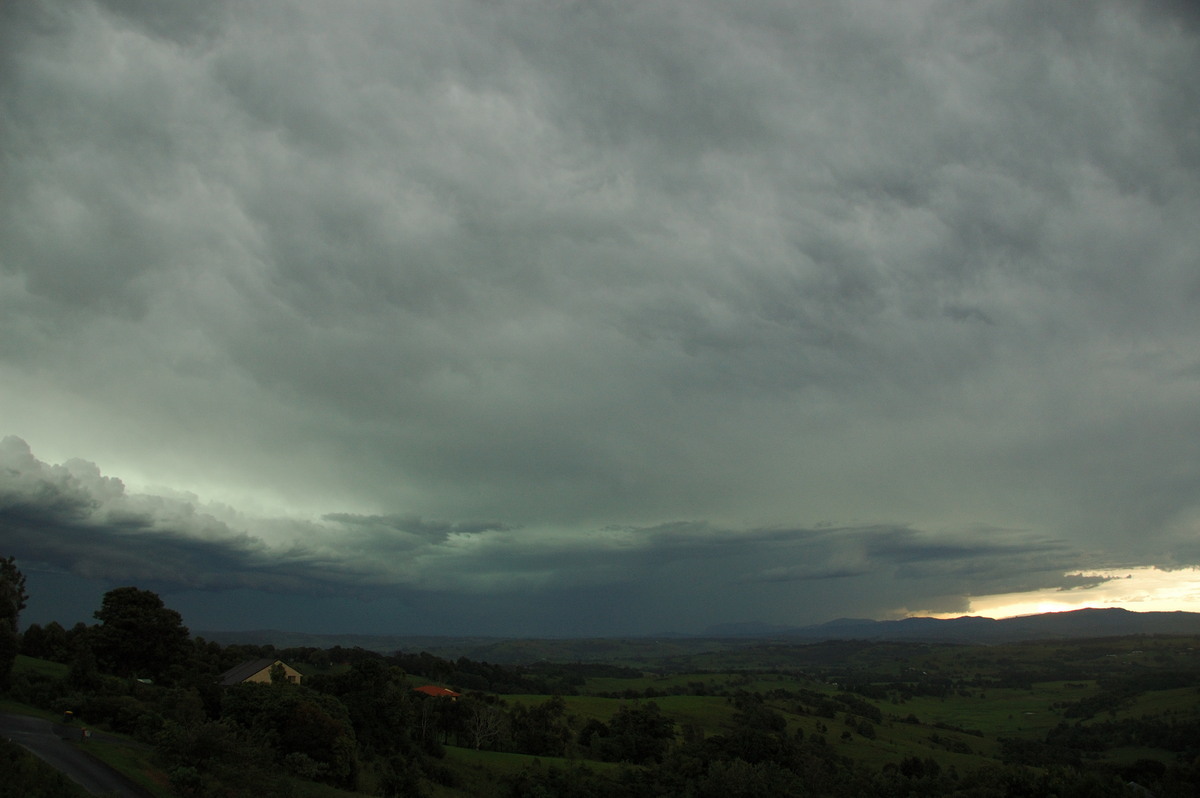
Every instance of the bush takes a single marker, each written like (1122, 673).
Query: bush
(122, 713)
(36, 689)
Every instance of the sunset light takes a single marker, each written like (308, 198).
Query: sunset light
(1137, 589)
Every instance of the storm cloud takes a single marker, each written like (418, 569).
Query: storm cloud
(719, 313)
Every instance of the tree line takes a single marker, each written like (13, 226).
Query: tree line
(357, 723)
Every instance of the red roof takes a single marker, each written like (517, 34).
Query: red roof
(433, 689)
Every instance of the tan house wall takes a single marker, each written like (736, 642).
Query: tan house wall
(264, 676)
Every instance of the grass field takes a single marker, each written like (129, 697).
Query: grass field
(997, 712)
(18, 708)
(477, 772)
(962, 727)
(135, 761)
(38, 667)
(951, 704)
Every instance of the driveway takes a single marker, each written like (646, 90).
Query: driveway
(48, 741)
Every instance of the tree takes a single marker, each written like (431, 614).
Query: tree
(484, 723)
(637, 734)
(34, 642)
(82, 673)
(309, 730)
(542, 729)
(12, 591)
(378, 700)
(736, 778)
(138, 635)
(12, 601)
(217, 758)
(757, 734)
(278, 674)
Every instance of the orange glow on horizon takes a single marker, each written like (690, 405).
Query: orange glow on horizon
(1143, 589)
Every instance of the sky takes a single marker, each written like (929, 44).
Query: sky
(565, 318)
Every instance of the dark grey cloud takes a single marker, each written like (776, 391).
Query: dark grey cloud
(180, 22)
(1083, 581)
(72, 519)
(389, 270)
(419, 528)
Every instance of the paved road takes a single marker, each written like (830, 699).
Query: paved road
(46, 740)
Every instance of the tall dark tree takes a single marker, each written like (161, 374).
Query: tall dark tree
(379, 701)
(542, 729)
(311, 732)
(12, 601)
(138, 635)
(637, 734)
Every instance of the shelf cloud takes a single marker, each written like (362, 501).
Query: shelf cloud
(603, 317)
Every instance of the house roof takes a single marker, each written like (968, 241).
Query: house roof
(240, 673)
(434, 690)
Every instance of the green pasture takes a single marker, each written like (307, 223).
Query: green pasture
(1000, 712)
(497, 762)
(708, 713)
(313, 789)
(750, 681)
(477, 772)
(895, 741)
(8, 705)
(135, 761)
(1031, 713)
(1128, 755)
(38, 667)
(1184, 701)
(584, 707)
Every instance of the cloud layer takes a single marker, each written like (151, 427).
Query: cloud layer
(626, 298)
(73, 519)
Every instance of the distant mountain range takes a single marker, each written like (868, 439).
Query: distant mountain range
(967, 629)
(1109, 622)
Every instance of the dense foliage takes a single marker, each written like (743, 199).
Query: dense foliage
(12, 601)
(357, 723)
(139, 636)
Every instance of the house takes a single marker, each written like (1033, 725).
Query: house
(437, 692)
(258, 671)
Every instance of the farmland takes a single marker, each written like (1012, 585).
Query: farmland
(1123, 709)
(1086, 717)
